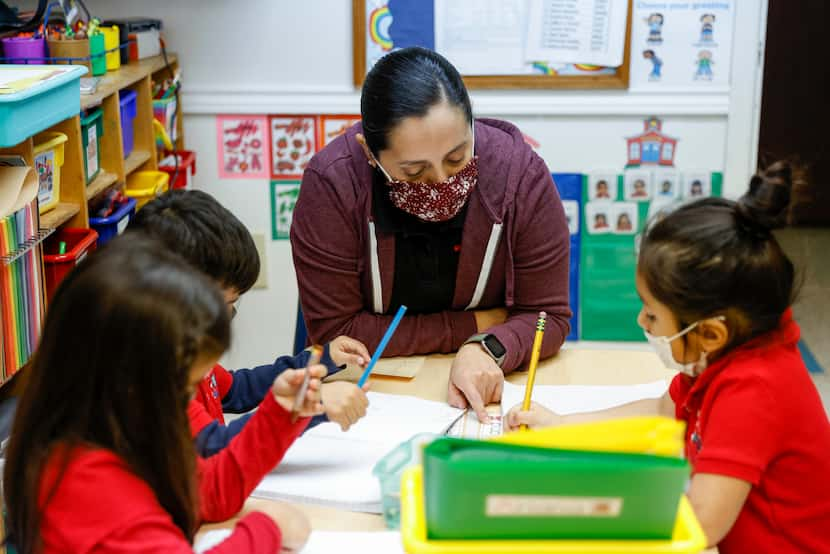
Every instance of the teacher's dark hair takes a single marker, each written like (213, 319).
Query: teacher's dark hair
(407, 83)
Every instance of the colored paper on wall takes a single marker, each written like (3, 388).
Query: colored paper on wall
(332, 126)
(284, 196)
(294, 140)
(242, 143)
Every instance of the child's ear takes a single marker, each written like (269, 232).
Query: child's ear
(713, 334)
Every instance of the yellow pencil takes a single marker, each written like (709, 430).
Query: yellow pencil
(534, 361)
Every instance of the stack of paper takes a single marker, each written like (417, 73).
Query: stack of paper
(331, 467)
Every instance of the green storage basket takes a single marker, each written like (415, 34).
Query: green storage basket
(92, 128)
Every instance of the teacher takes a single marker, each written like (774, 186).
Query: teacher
(423, 206)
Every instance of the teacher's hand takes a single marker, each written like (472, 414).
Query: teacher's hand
(475, 380)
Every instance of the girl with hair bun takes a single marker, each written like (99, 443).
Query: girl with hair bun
(717, 291)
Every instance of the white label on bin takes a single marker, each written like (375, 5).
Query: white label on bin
(572, 215)
(92, 150)
(504, 505)
(122, 225)
(45, 169)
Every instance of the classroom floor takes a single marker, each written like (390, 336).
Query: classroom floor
(809, 248)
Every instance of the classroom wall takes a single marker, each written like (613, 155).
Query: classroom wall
(282, 56)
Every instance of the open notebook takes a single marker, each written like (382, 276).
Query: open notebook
(327, 466)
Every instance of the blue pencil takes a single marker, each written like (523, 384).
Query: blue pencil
(383, 342)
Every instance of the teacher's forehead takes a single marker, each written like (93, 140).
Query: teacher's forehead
(443, 127)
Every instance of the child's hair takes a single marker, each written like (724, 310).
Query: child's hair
(119, 341)
(205, 233)
(719, 257)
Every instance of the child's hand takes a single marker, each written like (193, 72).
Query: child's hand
(288, 383)
(345, 350)
(293, 523)
(536, 416)
(345, 403)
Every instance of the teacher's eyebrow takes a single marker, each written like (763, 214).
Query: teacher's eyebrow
(416, 162)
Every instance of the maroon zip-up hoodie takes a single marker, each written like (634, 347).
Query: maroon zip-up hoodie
(514, 252)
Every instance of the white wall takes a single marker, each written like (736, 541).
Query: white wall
(283, 56)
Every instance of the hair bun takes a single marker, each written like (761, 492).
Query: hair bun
(764, 206)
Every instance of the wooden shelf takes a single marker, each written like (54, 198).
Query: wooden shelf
(136, 159)
(102, 182)
(129, 74)
(59, 215)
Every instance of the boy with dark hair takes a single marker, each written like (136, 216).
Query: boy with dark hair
(206, 234)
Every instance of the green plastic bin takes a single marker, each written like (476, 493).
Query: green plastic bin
(92, 128)
(98, 54)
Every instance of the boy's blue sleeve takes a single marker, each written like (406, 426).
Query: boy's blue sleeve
(250, 385)
(215, 436)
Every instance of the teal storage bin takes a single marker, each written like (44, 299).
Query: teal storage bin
(41, 105)
(92, 128)
(389, 470)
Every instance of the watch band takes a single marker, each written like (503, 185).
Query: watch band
(480, 339)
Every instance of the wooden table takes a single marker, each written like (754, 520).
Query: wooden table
(569, 367)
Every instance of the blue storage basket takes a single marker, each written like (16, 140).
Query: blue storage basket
(110, 227)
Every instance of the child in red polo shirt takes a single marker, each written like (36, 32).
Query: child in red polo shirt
(129, 334)
(716, 290)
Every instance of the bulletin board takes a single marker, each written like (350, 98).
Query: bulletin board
(414, 25)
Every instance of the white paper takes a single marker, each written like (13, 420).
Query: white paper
(576, 31)
(670, 39)
(392, 418)
(327, 466)
(329, 542)
(210, 539)
(574, 399)
(10, 76)
(482, 37)
(325, 542)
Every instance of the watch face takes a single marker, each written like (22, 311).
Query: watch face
(494, 346)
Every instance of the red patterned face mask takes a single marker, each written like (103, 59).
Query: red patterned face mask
(434, 202)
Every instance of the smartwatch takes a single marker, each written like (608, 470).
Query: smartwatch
(491, 345)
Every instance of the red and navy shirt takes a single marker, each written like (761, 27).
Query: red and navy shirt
(756, 415)
(238, 392)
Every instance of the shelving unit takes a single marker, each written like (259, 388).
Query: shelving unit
(72, 209)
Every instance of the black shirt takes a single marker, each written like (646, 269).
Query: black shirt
(426, 254)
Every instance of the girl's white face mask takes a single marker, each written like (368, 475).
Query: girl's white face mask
(662, 346)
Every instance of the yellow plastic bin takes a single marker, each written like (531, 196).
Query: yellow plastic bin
(48, 161)
(111, 44)
(688, 537)
(146, 185)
